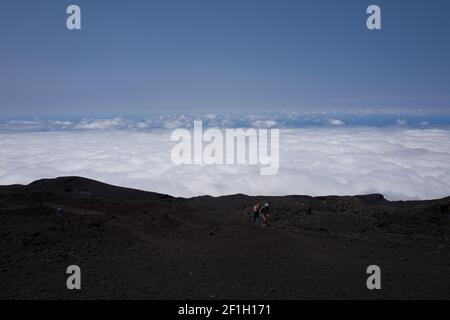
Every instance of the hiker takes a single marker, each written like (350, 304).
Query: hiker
(264, 211)
(255, 216)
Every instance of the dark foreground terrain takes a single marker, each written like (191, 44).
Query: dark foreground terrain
(140, 245)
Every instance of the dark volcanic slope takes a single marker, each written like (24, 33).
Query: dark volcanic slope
(134, 244)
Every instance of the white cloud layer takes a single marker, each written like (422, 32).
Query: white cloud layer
(401, 163)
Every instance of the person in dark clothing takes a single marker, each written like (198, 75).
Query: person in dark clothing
(264, 211)
(255, 216)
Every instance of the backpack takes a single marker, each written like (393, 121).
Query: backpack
(256, 209)
(264, 210)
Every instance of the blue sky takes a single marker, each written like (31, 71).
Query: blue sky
(145, 57)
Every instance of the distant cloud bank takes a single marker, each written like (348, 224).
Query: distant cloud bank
(355, 118)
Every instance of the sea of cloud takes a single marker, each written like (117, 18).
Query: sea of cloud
(399, 162)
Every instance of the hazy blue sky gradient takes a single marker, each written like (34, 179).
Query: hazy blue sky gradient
(139, 57)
